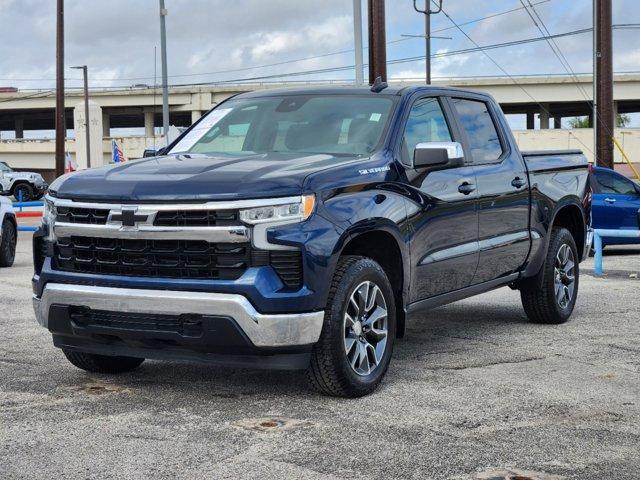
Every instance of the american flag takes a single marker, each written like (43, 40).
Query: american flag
(117, 154)
(70, 164)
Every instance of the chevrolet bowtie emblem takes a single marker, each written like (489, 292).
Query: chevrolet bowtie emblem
(129, 217)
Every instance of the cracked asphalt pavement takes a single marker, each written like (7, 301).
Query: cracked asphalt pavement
(473, 391)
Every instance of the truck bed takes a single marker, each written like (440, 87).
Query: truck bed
(546, 160)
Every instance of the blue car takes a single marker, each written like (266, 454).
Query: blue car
(616, 204)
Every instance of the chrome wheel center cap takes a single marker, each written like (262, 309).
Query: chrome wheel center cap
(357, 328)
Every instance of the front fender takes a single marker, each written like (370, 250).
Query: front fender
(337, 221)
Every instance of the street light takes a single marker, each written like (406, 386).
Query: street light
(86, 111)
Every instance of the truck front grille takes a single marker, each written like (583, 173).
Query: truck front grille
(196, 218)
(90, 216)
(188, 259)
(168, 218)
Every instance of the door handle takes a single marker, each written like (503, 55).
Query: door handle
(518, 182)
(610, 200)
(466, 188)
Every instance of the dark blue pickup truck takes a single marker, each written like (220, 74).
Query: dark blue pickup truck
(297, 229)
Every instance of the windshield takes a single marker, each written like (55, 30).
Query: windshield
(5, 168)
(338, 124)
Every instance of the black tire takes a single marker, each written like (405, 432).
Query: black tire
(330, 371)
(539, 295)
(94, 363)
(8, 245)
(26, 189)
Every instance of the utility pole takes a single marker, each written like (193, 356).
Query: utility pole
(604, 121)
(85, 76)
(377, 42)
(427, 32)
(60, 116)
(357, 34)
(165, 84)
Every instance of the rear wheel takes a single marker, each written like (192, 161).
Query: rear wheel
(8, 244)
(94, 363)
(23, 192)
(355, 346)
(551, 295)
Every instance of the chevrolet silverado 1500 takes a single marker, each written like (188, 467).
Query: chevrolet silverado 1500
(297, 229)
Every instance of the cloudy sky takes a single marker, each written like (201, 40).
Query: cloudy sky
(216, 40)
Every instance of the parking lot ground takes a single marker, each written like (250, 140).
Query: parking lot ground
(473, 391)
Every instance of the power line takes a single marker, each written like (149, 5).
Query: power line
(565, 63)
(503, 70)
(477, 48)
(285, 62)
(555, 48)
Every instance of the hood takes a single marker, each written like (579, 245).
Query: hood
(196, 177)
(22, 175)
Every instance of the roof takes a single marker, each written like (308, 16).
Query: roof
(350, 90)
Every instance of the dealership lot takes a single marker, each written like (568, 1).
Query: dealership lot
(472, 390)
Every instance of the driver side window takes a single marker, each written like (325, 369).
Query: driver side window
(426, 123)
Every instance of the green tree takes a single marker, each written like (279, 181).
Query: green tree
(623, 120)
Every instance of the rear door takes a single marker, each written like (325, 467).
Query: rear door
(616, 201)
(443, 215)
(503, 203)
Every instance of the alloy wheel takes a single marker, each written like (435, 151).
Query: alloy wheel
(564, 276)
(365, 328)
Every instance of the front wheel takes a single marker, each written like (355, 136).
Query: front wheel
(8, 244)
(550, 296)
(23, 192)
(355, 346)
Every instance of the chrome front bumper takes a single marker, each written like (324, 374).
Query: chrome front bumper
(277, 330)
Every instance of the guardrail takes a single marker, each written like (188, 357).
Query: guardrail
(598, 233)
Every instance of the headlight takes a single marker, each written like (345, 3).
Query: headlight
(49, 216)
(295, 211)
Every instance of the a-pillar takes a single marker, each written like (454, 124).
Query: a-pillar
(195, 116)
(95, 135)
(531, 124)
(106, 124)
(149, 119)
(544, 116)
(19, 127)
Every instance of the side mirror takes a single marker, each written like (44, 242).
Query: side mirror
(151, 152)
(438, 154)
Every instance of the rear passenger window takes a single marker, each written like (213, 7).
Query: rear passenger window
(481, 131)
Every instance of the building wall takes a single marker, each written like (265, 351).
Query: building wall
(580, 139)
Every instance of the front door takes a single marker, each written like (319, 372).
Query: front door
(503, 203)
(443, 215)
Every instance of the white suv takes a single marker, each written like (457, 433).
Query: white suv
(24, 185)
